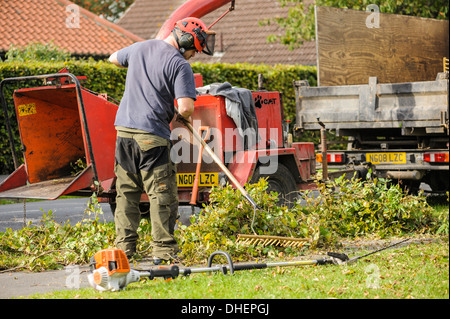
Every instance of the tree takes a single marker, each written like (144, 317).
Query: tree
(108, 9)
(300, 21)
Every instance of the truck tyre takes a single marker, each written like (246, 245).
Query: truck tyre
(281, 182)
(410, 187)
(438, 181)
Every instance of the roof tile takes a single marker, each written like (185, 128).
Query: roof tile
(25, 21)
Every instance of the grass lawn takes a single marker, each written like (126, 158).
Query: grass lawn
(419, 270)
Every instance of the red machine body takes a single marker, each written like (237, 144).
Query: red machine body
(61, 124)
(210, 115)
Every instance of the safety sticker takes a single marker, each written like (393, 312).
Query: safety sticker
(27, 109)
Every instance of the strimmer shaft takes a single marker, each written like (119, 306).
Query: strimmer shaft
(174, 271)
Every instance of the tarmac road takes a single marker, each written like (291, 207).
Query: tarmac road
(70, 209)
(25, 283)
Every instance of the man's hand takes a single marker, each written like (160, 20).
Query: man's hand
(183, 119)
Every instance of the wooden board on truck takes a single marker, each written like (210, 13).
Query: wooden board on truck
(353, 45)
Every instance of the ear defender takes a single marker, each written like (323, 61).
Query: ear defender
(185, 41)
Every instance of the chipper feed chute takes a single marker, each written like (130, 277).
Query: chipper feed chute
(59, 125)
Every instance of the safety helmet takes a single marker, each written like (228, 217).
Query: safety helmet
(194, 36)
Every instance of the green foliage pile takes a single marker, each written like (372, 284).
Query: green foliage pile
(443, 220)
(352, 208)
(51, 245)
(343, 209)
(229, 214)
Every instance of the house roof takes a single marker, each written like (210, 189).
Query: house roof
(25, 21)
(239, 37)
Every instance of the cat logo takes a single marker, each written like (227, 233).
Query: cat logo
(260, 101)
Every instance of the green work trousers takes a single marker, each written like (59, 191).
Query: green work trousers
(143, 165)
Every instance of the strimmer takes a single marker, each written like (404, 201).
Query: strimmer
(110, 269)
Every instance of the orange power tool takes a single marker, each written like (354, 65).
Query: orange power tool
(110, 271)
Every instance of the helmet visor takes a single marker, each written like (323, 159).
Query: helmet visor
(209, 43)
(207, 40)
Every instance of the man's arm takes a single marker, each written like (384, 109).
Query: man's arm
(113, 60)
(186, 107)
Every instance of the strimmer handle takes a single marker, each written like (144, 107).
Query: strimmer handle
(171, 272)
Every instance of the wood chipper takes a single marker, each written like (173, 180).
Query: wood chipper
(62, 123)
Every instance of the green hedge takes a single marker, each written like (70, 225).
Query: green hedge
(103, 77)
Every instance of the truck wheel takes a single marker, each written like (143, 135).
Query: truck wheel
(438, 181)
(410, 187)
(281, 182)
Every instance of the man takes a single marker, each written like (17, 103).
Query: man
(158, 74)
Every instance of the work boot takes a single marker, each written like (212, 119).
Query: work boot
(159, 261)
(171, 259)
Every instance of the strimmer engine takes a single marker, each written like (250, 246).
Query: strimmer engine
(110, 271)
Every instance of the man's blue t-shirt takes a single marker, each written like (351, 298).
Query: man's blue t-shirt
(157, 75)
